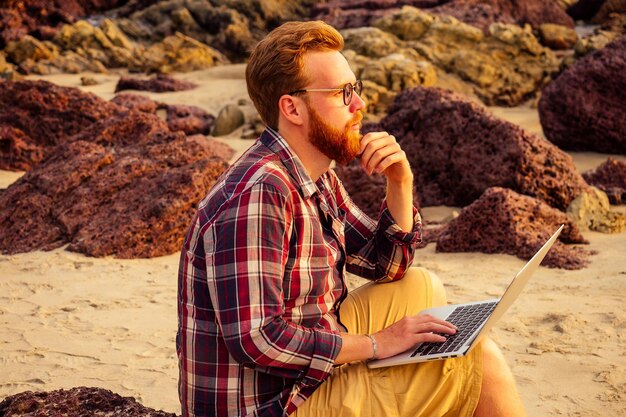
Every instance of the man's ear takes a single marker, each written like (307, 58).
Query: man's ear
(291, 108)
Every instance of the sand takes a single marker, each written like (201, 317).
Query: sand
(71, 320)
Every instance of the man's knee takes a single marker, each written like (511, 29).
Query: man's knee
(438, 291)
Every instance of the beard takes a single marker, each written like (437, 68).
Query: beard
(342, 146)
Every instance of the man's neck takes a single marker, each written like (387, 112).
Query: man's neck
(315, 162)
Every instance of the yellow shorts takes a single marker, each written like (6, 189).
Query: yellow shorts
(440, 388)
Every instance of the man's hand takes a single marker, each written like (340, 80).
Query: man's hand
(410, 331)
(381, 153)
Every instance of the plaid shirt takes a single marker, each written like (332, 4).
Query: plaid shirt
(261, 279)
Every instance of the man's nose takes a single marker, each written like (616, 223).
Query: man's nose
(357, 103)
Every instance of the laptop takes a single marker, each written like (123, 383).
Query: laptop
(473, 320)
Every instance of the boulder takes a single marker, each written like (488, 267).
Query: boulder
(136, 102)
(583, 108)
(609, 177)
(124, 187)
(74, 402)
(503, 221)
(591, 211)
(505, 67)
(457, 150)
(60, 114)
(596, 11)
(229, 118)
(158, 84)
(191, 120)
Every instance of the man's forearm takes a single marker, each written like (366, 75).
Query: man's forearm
(354, 347)
(400, 203)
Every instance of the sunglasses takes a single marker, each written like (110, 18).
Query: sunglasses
(348, 91)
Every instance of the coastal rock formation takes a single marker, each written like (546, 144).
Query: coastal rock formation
(82, 47)
(478, 13)
(505, 67)
(122, 184)
(75, 402)
(596, 11)
(557, 36)
(568, 108)
(609, 177)
(457, 150)
(189, 119)
(59, 113)
(136, 102)
(367, 191)
(503, 221)
(158, 84)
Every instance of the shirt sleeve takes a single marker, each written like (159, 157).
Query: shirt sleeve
(380, 250)
(245, 275)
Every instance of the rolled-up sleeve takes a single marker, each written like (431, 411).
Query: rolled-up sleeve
(251, 239)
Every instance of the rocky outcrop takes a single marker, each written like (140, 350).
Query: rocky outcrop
(81, 47)
(609, 177)
(75, 402)
(158, 84)
(123, 185)
(457, 150)
(596, 11)
(367, 191)
(502, 221)
(478, 13)
(60, 113)
(583, 108)
(557, 36)
(505, 67)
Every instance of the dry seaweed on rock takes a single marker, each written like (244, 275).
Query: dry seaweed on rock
(457, 150)
(609, 177)
(76, 402)
(503, 221)
(584, 108)
(159, 83)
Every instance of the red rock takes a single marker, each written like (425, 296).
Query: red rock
(158, 84)
(609, 177)
(189, 119)
(75, 402)
(457, 150)
(124, 185)
(136, 102)
(59, 112)
(503, 221)
(583, 108)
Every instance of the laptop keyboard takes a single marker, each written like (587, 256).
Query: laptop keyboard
(467, 319)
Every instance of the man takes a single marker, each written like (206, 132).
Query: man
(265, 319)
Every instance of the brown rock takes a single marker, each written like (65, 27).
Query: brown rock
(59, 113)
(457, 150)
(75, 402)
(136, 102)
(158, 84)
(591, 211)
(189, 119)
(557, 36)
(583, 108)
(502, 221)
(609, 177)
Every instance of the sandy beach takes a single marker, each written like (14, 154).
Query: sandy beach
(70, 320)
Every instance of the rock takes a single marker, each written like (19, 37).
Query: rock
(591, 211)
(157, 84)
(136, 102)
(79, 401)
(610, 177)
(370, 41)
(457, 150)
(367, 191)
(189, 119)
(229, 118)
(88, 81)
(503, 221)
(60, 114)
(124, 187)
(596, 11)
(557, 37)
(569, 108)
(612, 29)
(505, 67)
(29, 48)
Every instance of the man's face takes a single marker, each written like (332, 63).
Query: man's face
(333, 127)
(341, 145)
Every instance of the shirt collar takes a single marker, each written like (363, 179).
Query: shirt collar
(277, 144)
